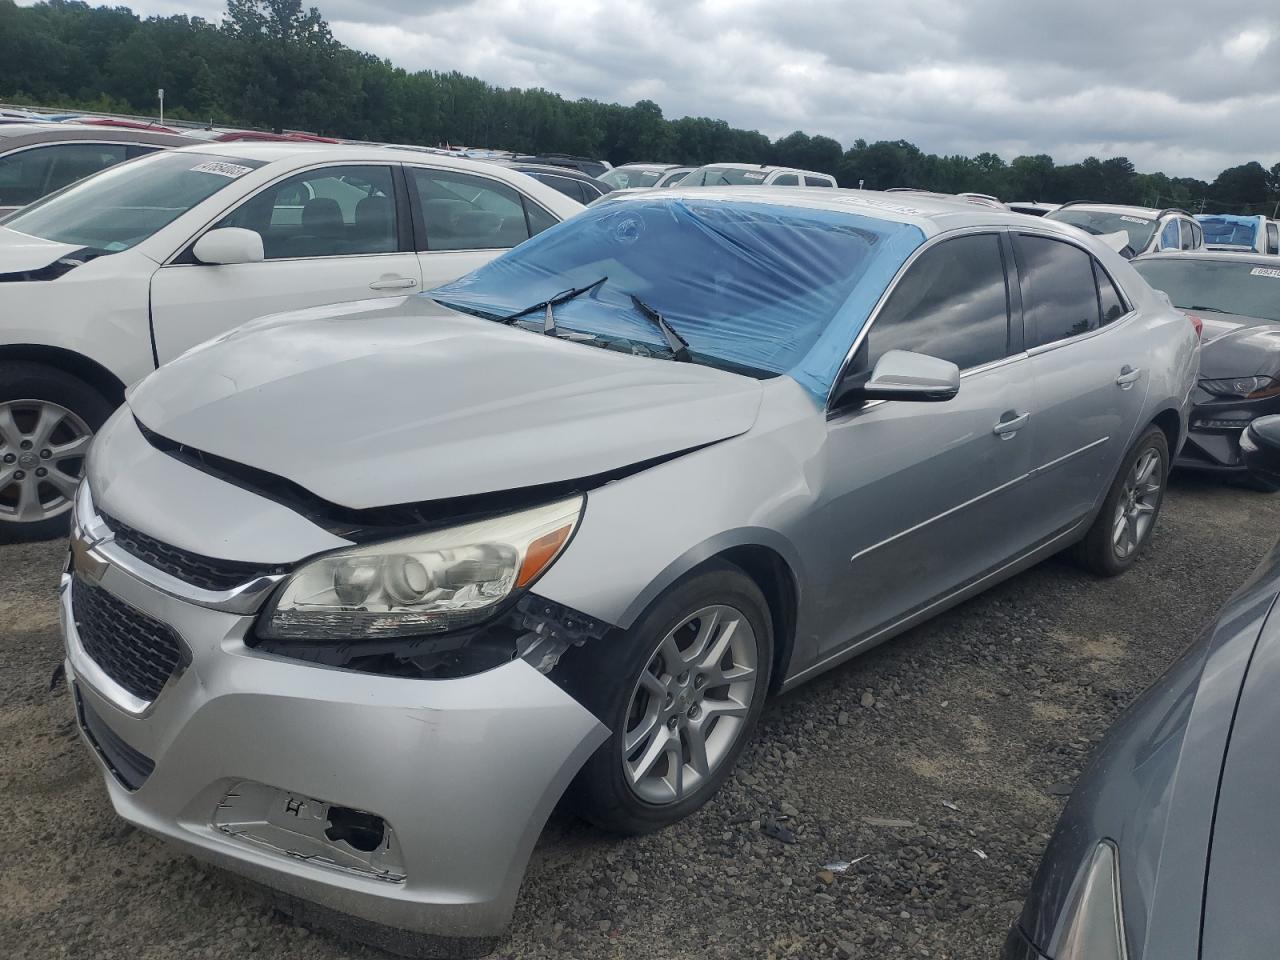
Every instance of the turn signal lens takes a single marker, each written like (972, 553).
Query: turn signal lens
(540, 554)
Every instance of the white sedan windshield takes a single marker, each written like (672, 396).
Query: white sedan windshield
(125, 204)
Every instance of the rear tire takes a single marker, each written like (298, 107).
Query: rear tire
(633, 683)
(42, 411)
(1122, 529)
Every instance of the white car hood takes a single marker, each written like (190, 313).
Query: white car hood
(20, 253)
(380, 403)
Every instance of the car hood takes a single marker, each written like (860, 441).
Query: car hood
(21, 254)
(389, 402)
(1239, 347)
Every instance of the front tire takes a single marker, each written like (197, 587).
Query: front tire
(47, 419)
(1123, 527)
(681, 692)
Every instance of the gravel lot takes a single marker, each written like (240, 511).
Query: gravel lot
(964, 732)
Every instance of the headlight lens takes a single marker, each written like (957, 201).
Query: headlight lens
(428, 583)
(1249, 388)
(1093, 926)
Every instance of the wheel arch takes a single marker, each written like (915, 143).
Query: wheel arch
(1170, 422)
(68, 361)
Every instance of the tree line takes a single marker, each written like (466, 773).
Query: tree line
(274, 64)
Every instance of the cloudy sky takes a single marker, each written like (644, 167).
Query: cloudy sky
(1184, 86)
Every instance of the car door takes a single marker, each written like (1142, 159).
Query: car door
(464, 220)
(329, 234)
(1087, 360)
(928, 497)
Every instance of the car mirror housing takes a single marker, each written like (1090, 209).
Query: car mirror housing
(227, 245)
(903, 375)
(1260, 448)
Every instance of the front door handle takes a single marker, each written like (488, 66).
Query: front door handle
(1128, 376)
(1010, 424)
(393, 283)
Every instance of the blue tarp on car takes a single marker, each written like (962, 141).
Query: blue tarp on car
(753, 285)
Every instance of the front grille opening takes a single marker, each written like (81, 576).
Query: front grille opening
(136, 651)
(200, 571)
(129, 766)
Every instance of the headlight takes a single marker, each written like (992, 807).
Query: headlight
(1247, 388)
(1093, 924)
(428, 583)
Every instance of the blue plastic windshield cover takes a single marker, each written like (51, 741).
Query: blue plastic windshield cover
(761, 288)
(1230, 229)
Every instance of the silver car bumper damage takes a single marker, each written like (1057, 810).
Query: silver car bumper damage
(256, 758)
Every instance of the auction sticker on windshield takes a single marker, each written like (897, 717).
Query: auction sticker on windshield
(753, 176)
(1265, 272)
(221, 168)
(1135, 220)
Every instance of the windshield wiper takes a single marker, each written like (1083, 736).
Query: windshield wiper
(1208, 309)
(563, 297)
(679, 345)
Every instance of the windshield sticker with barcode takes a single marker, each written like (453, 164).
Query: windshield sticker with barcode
(1266, 272)
(221, 168)
(753, 176)
(1135, 220)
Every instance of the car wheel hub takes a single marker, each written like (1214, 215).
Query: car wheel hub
(1136, 510)
(689, 706)
(42, 448)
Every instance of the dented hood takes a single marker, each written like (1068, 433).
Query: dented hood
(387, 402)
(20, 253)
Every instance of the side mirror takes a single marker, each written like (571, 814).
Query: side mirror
(1260, 448)
(902, 375)
(229, 245)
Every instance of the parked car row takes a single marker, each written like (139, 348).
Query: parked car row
(356, 593)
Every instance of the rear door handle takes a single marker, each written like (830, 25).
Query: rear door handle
(393, 283)
(1010, 424)
(1128, 376)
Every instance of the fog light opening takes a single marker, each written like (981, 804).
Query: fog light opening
(363, 831)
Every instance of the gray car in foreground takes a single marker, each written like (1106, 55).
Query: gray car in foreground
(1168, 847)
(356, 593)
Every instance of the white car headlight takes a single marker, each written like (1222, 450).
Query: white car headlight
(1094, 927)
(427, 583)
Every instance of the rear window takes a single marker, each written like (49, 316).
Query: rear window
(1245, 287)
(125, 204)
(623, 178)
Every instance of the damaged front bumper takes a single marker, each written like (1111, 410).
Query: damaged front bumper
(409, 803)
(1213, 441)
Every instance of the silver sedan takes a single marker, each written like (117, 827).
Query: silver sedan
(357, 593)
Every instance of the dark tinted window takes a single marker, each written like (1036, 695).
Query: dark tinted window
(465, 212)
(952, 303)
(567, 185)
(1059, 298)
(1108, 298)
(817, 182)
(1188, 236)
(787, 180)
(539, 219)
(28, 175)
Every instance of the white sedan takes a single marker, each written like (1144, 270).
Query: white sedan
(109, 278)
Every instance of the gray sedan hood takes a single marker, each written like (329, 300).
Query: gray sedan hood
(386, 402)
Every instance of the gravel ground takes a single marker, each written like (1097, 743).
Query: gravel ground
(939, 759)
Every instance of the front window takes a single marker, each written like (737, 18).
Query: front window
(1100, 223)
(125, 204)
(622, 178)
(1243, 287)
(755, 288)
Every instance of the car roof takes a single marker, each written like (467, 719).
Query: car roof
(572, 173)
(271, 152)
(638, 165)
(765, 167)
(1150, 213)
(933, 215)
(18, 134)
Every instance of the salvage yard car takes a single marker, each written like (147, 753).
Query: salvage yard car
(113, 276)
(1223, 231)
(755, 175)
(1167, 849)
(1142, 229)
(1236, 299)
(634, 176)
(356, 592)
(37, 159)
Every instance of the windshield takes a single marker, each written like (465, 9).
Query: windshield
(1243, 287)
(125, 204)
(1100, 223)
(756, 288)
(720, 176)
(674, 177)
(624, 177)
(1228, 231)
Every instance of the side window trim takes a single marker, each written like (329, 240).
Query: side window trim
(1013, 290)
(404, 219)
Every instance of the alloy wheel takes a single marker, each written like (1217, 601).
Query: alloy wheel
(689, 705)
(42, 449)
(1136, 510)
